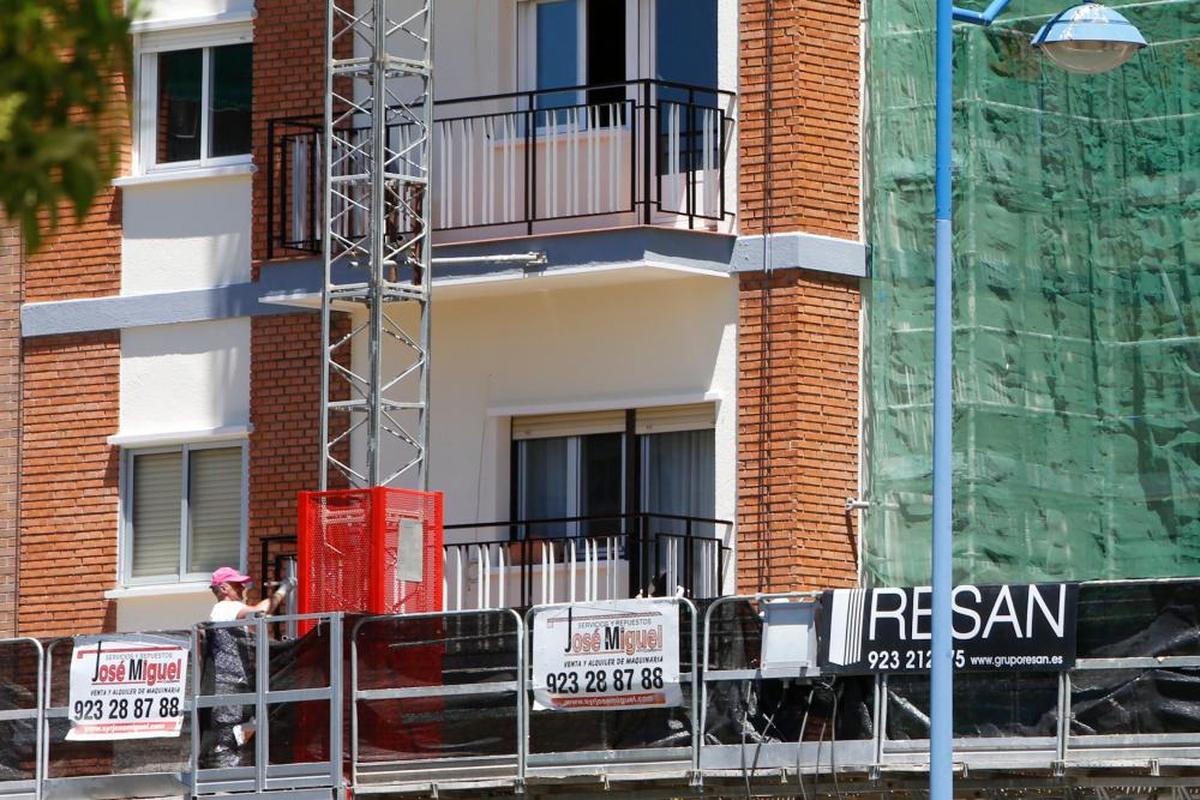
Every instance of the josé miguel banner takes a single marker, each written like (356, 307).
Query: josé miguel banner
(1028, 627)
(612, 656)
(127, 687)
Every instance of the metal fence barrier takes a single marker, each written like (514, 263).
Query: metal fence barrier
(443, 700)
(417, 699)
(306, 682)
(21, 718)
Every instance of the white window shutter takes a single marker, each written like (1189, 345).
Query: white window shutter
(157, 495)
(545, 426)
(666, 419)
(215, 505)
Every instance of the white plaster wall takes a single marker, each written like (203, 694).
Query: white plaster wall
(189, 377)
(570, 349)
(164, 10)
(188, 234)
(473, 47)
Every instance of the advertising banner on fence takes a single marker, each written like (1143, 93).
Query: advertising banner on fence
(607, 656)
(127, 687)
(1028, 627)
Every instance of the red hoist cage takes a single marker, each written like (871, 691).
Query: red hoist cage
(379, 551)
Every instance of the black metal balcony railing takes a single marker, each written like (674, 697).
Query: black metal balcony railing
(640, 152)
(526, 562)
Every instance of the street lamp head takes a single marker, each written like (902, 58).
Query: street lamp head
(1089, 38)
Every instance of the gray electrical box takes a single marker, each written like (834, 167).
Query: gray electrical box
(789, 638)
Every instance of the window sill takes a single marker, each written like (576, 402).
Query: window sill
(151, 590)
(231, 433)
(186, 23)
(190, 174)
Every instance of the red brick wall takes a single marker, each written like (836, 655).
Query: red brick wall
(84, 259)
(289, 79)
(813, 117)
(68, 529)
(285, 403)
(285, 397)
(10, 409)
(797, 430)
(798, 331)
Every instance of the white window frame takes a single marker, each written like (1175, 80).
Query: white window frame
(147, 47)
(125, 540)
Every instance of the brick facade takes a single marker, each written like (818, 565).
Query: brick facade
(798, 444)
(289, 80)
(798, 339)
(798, 331)
(68, 545)
(285, 403)
(69, 406)
(811, 116)
(83, 259)
(285, 399)
(10, 411)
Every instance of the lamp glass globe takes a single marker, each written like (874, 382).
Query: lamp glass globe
(1089, 57)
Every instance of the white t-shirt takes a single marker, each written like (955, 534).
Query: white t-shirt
(226, 611)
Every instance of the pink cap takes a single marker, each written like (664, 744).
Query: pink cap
(229, 575)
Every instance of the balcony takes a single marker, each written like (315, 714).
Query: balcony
(519, 563)
(643, 152)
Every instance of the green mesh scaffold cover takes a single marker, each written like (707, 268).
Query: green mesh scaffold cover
(1077, 291)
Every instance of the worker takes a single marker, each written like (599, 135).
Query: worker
(230, 586)
(230, 665)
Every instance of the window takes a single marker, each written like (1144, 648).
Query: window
(685, 42)
(685, 46)
(579, 42)
(195, 100)
(184, 512)
(579, 465)
(572, 476)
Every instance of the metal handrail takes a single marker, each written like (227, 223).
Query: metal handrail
(357, 694)
(514, 523)
(262, 698)
(706, 758)
(697, 561)
(679, 127)
(35, 713)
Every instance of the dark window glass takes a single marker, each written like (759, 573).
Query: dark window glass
(686, 44)
(544, 490)
(686, 40)
(179, 77)
(229, 100)
(571, 476)
(600, 482)
(606, 54)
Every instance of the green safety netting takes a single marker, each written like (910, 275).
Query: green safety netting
(1077, 269)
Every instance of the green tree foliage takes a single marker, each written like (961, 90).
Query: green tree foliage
(59, 60)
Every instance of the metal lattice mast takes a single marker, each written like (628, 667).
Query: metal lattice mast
(378, 120)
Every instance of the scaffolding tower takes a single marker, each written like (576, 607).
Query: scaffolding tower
(378, 123)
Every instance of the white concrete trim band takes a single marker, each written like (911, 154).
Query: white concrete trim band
(803, 251)
(584, 253)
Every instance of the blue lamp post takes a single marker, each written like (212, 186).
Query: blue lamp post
(1086, 38)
